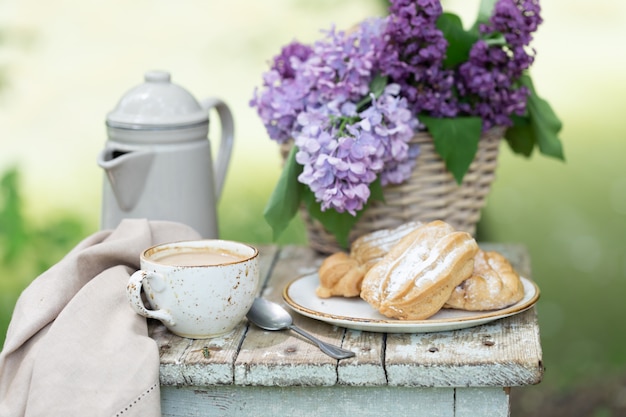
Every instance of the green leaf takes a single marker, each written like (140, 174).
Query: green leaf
(286, 197)
(520, 136)
(378, 84)
(544, 122)
(539, 127)
(459, 40)
(377, 87)
(456, 141)
(376, 191)
(495, 39)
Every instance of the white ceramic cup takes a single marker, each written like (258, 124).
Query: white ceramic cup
(198, 289)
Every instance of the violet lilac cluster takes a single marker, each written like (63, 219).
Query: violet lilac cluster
(413, 57)
(283, 97)
(348, 135)
(487, 82)
(342, 156)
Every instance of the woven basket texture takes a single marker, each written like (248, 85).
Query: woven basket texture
(430, 194)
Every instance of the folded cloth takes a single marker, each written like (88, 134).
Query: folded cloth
(74, 346)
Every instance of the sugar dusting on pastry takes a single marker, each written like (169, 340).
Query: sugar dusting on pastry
(412, 271)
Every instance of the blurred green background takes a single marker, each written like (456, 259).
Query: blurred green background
(64, 65)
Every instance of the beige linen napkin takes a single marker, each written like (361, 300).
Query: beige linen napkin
(74, 346)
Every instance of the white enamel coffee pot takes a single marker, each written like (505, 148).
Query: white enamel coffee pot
(157, 159)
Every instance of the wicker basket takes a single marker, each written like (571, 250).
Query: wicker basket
(430, 194)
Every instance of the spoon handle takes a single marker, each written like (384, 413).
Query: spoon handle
(330, 350)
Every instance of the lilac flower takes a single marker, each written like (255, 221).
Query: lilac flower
(327, 96)
(315, 96)
(487, 82)
(283, 96)
(413, 57)
(342, 155)
(517, 20)
(286, 62)
(342, 64)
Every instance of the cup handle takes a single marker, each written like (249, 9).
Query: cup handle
(133, 292)
(226, 141)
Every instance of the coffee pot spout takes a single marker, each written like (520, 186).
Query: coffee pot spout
(127, 173)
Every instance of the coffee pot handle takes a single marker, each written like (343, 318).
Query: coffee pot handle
(226, 141)
(133, 292)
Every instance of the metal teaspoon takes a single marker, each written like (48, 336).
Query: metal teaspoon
(271, 316)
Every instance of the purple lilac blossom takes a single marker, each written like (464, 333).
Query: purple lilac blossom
(314, 94)
(283, 95)
(344, 143)
(517, 20)
(342, 65)
(487, 82)
(413, 57)
(342, 156)
(284, 62)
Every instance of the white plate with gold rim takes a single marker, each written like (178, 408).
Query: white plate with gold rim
(357, 314)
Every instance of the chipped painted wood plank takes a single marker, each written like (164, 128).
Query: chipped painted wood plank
(503, 353)
(472, 402)
(192, 362)
(366, 368)
(307, 401)
(171, 349)
(284, 358)
(210, 361)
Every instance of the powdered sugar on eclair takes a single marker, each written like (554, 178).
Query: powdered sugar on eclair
(417, 276)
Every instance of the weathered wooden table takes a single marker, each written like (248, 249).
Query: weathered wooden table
(252, 372)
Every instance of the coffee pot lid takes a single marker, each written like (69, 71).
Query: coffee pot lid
(156, 104)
